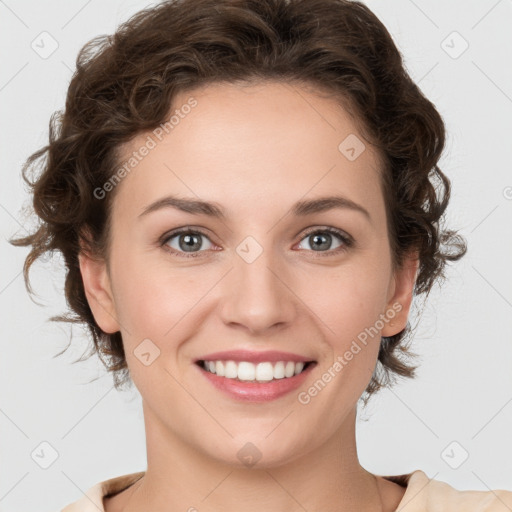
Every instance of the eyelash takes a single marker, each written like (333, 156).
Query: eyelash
(348, 241)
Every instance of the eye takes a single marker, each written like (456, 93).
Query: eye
(186, 242)
(322, 239)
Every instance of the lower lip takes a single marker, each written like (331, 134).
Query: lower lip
(257, 391)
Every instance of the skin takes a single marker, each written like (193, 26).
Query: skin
(255, 150)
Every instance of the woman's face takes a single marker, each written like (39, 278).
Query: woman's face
(267, 275)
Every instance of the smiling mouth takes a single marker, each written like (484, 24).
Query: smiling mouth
(245, 371)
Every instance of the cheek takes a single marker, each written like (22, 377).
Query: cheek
(349, 300)
(154, 300)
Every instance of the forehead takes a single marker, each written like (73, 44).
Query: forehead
(264, 142)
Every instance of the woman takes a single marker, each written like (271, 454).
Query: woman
(205, 150)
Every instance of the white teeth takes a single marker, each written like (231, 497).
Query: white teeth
(219, 368)
(279, 372)
(264, 371)
(246, 371)
(290, 369)
(231, 371)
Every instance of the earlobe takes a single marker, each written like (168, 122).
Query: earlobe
(399, 305)
(98, 292)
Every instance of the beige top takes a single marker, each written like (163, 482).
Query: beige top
(422, 495)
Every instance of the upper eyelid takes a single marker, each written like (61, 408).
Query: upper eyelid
(180, 231)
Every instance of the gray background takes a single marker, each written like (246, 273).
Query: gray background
(463, 392)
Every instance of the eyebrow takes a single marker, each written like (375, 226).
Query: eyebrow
(211, 209)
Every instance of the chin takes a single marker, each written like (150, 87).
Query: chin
(256, 452)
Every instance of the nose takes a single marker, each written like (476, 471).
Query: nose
(257, 295)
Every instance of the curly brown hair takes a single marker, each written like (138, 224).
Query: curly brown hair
(124, 84)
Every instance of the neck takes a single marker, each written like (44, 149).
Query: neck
(181, 478)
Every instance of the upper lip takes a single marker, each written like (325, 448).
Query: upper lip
(253, 357)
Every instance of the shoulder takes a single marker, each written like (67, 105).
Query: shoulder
(424, 494)
(92, 500)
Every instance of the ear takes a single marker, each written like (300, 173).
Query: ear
(98, 290)
(401, 295)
